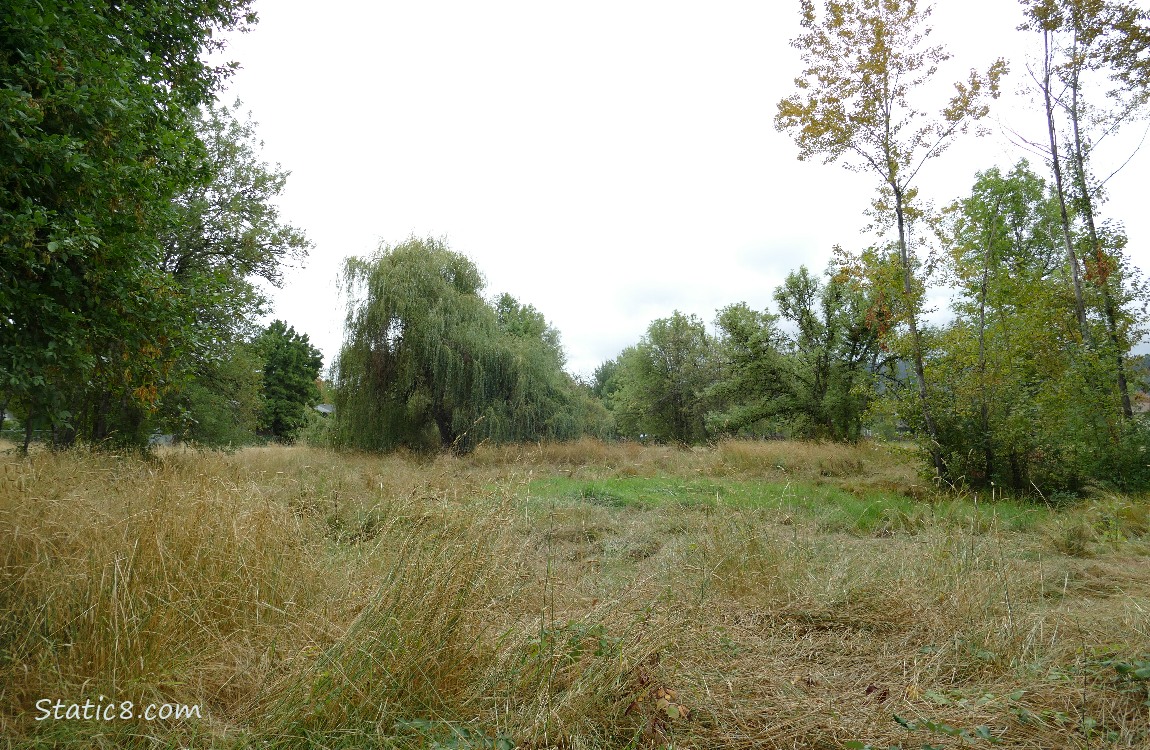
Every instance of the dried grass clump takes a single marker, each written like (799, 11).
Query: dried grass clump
(584, 452)
(887, 466)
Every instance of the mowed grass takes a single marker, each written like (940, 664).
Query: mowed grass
(581, 595)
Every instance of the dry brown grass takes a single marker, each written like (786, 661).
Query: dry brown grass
(305, 598)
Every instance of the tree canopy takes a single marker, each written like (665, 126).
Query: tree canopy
(291, 370)
(429, 363)
(660, 384)
(100, 102)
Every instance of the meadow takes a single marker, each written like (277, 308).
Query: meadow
(578, 595)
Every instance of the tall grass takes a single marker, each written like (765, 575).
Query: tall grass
(304, 598)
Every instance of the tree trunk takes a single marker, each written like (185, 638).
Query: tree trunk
(1079, 306)
(1103, 282)
(984, 407)
(27, 431)
(916, 340)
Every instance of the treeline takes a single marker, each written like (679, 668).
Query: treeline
(136, 222)
(1020, 397)
(137, 225)
(1030, 385)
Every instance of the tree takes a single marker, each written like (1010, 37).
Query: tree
(1018, 399)
(536, 397)
(428, 363)
(290, 374)
(816, 382)
(834, 352)
(864, 60)
(99, 103)
(226, 235)
(752, 392)
(663, 380)
(1005, 263)
(1082, 40)
(227, 229)
(604, 382)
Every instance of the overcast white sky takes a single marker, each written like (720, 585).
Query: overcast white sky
(607, 162)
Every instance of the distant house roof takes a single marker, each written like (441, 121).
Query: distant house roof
(325, 408)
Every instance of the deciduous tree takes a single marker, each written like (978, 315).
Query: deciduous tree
(428, 363)
(1018, 397)
(815, 382)
(99, 102)
(1085, 41)
(866, 61)
(226, 235)
(663, 381)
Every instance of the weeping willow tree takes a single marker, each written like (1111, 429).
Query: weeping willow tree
(428, 363)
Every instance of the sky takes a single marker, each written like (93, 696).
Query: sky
(607, 162)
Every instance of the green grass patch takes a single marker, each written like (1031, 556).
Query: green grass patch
(831, 507)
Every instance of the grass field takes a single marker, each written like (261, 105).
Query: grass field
(750, 595)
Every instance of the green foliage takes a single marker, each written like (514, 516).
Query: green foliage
(446, 735)
(658, 387)
(222, 405)
(428, 363)
(752, 389)
(291, 369)
(536, 398)
(865, 64)
(99, 103)
(1022, 403)
(818, 380)
(227, 228)
(227, 234)
(980, 733)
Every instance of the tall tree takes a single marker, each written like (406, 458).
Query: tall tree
(428, 363)
(99, 103)
(226, 236)
(1084, 40)
(865, 59)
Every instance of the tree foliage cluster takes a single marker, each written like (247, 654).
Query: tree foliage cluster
(135, 219)
(1028, 398)
(428, 362)
(807, 371)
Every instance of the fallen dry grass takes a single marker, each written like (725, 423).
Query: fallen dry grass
(305, 598)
